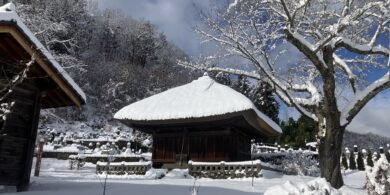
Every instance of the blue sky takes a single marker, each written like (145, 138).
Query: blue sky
(176, 18)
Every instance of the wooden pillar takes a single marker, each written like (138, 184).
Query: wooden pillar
(39, 158)
(182, 146)
(188, 146)
(25, 178)
(153, 145)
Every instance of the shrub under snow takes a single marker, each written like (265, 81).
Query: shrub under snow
(317, 186)
(378, 178)
(178, 174)
(299, 163)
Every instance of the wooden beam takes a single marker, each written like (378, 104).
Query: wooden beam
(19, 52)
(22, 40)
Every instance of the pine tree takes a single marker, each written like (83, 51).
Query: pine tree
(223, 78)
(298, 133)
(387, 154)
(263, 98)
(369, 159)
(360, 161)
(352, 162)
(344, 161)
(262, 94)
(242, 85)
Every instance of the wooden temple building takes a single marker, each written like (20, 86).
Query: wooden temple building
(46, 85)
(200, 121)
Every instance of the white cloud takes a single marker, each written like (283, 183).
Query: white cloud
(374, 117)
(175, 18)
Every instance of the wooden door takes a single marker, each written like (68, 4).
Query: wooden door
(164, 149)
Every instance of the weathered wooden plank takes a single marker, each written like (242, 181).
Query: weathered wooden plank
(25, 177)
(17, 130)
(10, 162)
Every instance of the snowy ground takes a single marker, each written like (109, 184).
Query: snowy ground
(57, 179)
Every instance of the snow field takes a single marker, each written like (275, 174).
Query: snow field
(57, 179)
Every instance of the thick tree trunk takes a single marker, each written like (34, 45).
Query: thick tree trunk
(329, 155)
(331, 141)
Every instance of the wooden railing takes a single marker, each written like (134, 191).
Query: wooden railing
(122, 168)
(223, 170)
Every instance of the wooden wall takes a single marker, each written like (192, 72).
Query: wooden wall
(18, 136)
(197, 145)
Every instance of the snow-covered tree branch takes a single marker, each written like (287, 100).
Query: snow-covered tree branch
(8, 85)
(307, 50)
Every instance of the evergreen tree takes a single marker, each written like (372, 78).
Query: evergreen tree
(369, 159)
(360, 161)
(387, 154)
(298, 133)
(223, 78)
(352, 162)
(261, 95)
(344, 161)
(242, 85)
(263, 98)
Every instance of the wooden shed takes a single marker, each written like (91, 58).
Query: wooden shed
(47, 85)
(199, 121)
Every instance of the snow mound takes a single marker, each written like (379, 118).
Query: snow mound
(155, 173)
(201, 98)
(178, 174)
(317, 186)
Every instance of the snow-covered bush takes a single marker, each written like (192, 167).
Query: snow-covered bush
(299, 163)
(178, 174)
(370, 162)
(344, 161)
(317, 186)
(377, 156)
(387, 155)
(378, 178)
(156, 173)
(360, 162)
(352, 161)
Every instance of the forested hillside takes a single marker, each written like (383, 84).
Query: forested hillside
(365, 141)
(116, 59)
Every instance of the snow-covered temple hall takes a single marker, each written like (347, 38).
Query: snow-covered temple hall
(200, 121)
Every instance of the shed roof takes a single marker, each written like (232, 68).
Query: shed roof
(201, 100)
(15, 37)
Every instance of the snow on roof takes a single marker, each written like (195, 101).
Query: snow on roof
(201, 98)
(8, 14)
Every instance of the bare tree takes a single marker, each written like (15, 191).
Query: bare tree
(315, 53)
(194, 189)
